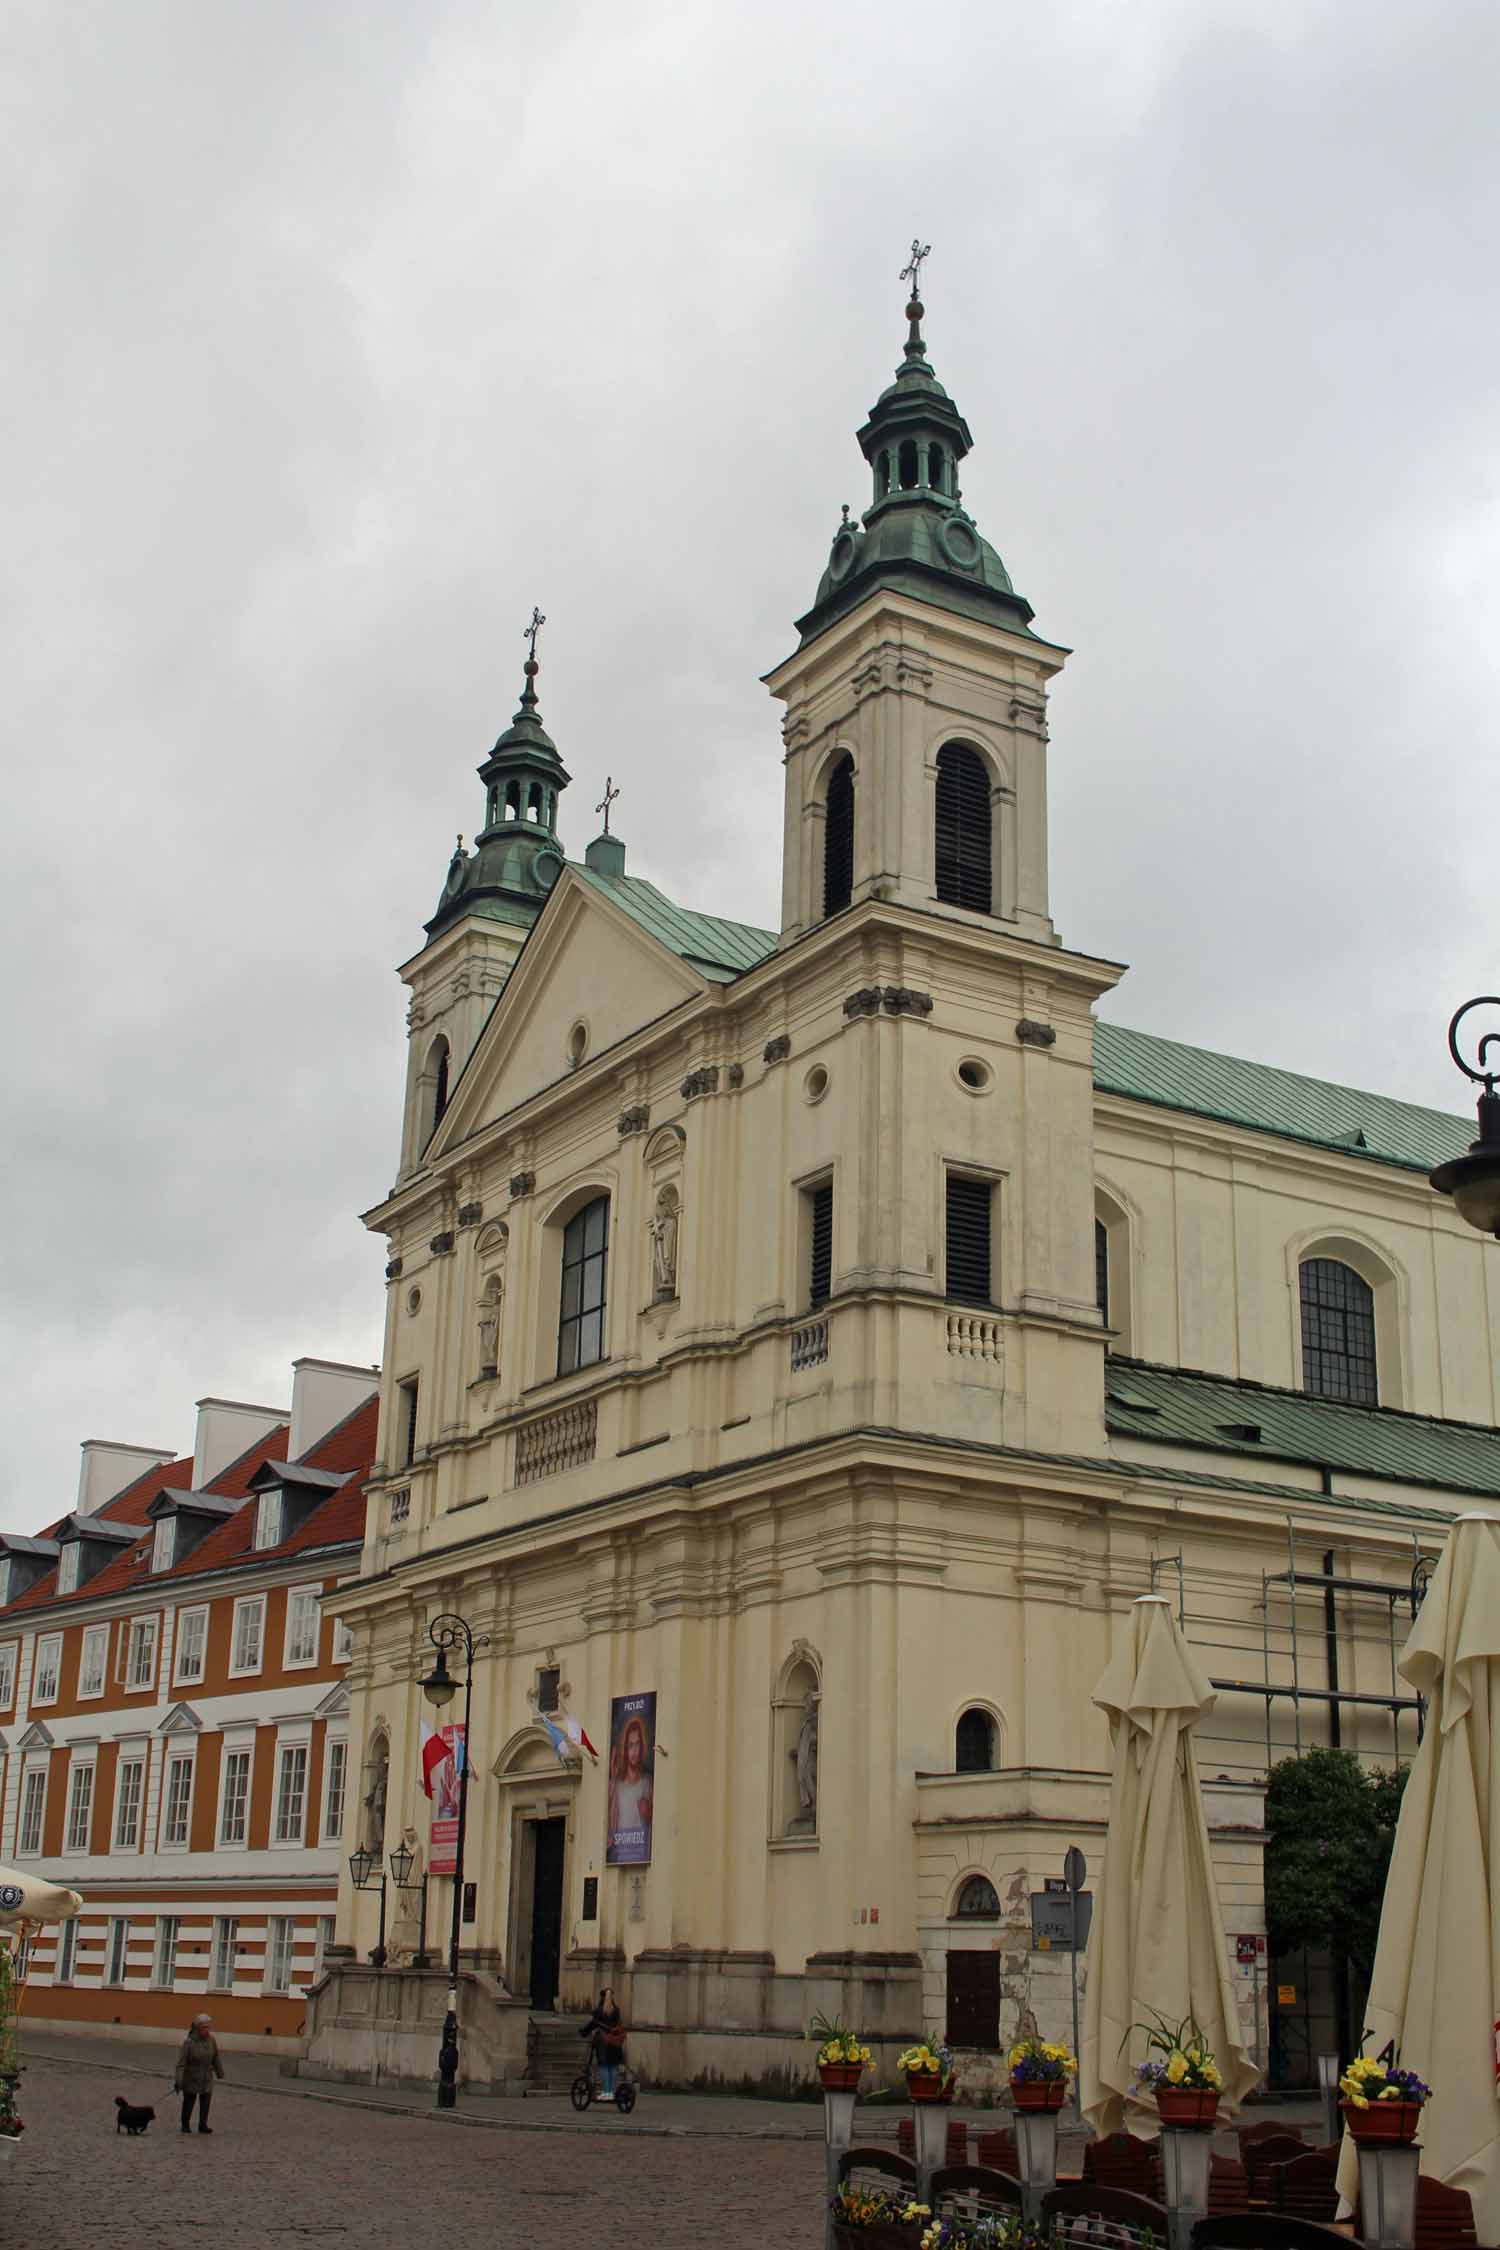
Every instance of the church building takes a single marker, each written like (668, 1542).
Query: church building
(803, 1344)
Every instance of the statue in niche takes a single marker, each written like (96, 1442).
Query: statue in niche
(489, 1325)
(406, 1926)
(664, 1225)
(375, 1796)
(804, 1757)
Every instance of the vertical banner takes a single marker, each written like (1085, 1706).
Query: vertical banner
(443, 1856)
(632, 1762)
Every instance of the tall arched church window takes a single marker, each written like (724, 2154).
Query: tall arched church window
(1338, 1332)
(585, 1266)
(838, 838)
(964, 876)
(974, 1743)
(440, 1087)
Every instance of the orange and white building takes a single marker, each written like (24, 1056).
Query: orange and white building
(174, 1720)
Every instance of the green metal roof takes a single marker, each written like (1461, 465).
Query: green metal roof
(719, 950)
(1166, 1406)
(1164, 1071)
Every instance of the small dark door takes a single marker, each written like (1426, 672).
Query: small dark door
(546, 1911)
(974, 2000)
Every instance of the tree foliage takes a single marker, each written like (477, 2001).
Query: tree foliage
(1330, 1826)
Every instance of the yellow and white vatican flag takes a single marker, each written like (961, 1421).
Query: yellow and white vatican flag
(30, 1898)
(1156, 1945)
(1436, 1987)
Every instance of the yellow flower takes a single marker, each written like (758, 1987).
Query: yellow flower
(1389, 2094)
(1177, 2070)
(1360, 2101)
(1017, 2055)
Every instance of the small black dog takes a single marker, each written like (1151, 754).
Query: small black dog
(129, 2118)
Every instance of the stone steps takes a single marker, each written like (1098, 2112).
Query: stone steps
(555, 2053)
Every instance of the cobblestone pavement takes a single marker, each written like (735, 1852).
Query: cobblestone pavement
(277, 2173)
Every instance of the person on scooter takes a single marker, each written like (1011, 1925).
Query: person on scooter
(606, 2030)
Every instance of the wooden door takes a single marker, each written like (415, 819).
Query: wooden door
(974, 2000)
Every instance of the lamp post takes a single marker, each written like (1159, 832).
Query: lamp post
(1473, 1180)
(440, 1687)
(362, 1865)
(401, 1859)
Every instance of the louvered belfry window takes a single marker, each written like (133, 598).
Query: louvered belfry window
(968, 1240)
(1338, 1332)
(838, 839)
(963, 829)
(1101, 1269)
(820, 1263)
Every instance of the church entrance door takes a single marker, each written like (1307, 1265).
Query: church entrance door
(547, 1838)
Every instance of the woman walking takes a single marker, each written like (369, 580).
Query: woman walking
(198, 2065)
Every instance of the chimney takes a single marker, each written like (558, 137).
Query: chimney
(226, 1429)
(324, 1393)
(106, 1469)
(606, 855)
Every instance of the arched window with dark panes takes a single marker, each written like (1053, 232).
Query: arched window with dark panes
(440, 1087)
(1101, 1269)
(974, 1743)
(964, 832)
(1338, 1332)
(978, 1900)
(585, 1266)
(838, 838)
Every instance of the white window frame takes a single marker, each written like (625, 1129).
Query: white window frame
(163, 1543)
(65, 1959)
(7, 1673)
(312, 1594)
(48, 1649)
(343, 1641)
(68, 1563)
(123, 1803)
(164, 1951)
(335, 1763)
(170, 1843)
(94, 1636)
(181, 1678)
(281, 1935)
(230, 1924)
(284, 1836)
(79, 1770)
(245, 1750)
(145, 1632)
(242, 1608)
(270, 1516)
(30, 1798)
(116, 1970)
(327, 1926)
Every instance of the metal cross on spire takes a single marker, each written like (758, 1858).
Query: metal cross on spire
(529, 632)
(610, 794)
(913, 272)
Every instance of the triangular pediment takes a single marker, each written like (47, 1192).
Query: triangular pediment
(335, 1705)
(36, 1737)
(181, 1719)
(587, 962)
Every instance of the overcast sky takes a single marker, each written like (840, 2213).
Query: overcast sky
(336, 336)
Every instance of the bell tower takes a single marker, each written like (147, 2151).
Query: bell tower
(915, 724)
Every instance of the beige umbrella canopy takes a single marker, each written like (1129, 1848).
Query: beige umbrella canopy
(1436, 1986)
(1157, 1945)
(28, 1898)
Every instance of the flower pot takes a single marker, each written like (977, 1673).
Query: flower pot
(842, 2077)
(926, 2086)
(1383, 2121)
(1187, 2105)
(1039, 2093)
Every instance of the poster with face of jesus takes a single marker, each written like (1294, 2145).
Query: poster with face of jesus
(632, 1760)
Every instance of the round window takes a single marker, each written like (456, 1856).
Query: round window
(414, 1299)
(578, 1043)
(974, 1076)
(841, 561)
(815, 1084)
(959, 542)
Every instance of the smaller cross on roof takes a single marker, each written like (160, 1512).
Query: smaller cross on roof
(610, 794)
(913, 272)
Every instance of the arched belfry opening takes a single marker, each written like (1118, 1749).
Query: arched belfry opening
(838, 838)
(964, 829)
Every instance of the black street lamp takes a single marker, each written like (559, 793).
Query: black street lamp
(440, 1687)
(401, 1859)
(1473, 1180)
(364, 1864)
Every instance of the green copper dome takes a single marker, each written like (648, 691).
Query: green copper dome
(517, 856)
(916, 536)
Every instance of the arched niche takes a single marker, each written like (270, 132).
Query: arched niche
(796, 1703)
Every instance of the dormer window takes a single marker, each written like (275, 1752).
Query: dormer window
(163, 1543)
(268, 1518)
(4, 1580)
(67, 1567)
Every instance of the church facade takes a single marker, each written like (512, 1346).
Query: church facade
(804, 1343)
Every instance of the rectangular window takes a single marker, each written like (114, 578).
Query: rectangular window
(968, 1233)
(93, 1661)
(140, 1671)
(164, 1963)
(548, 1680)
(302, 1618)
(192, 1643)
(268, 1515)
(226, 1945)
(325, 1939)
(820, 1244)
(48, 1667)
(249, 1626)
(406, 1422)
(335, 1777)
(67, 1952)
(291, 1793)
(80, 1808)
(279, 1952)
(234, 1811)
(119, 1940)
(7, 1673)
(67, 1567)
(179, 1802)
(163, 1543)
(585, 1267)
(129, 1789)
(33, 1803)
(343, 1641)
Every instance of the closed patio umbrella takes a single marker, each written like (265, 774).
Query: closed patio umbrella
(1436, 1986)
(30, 1898)
(1156, 1945)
